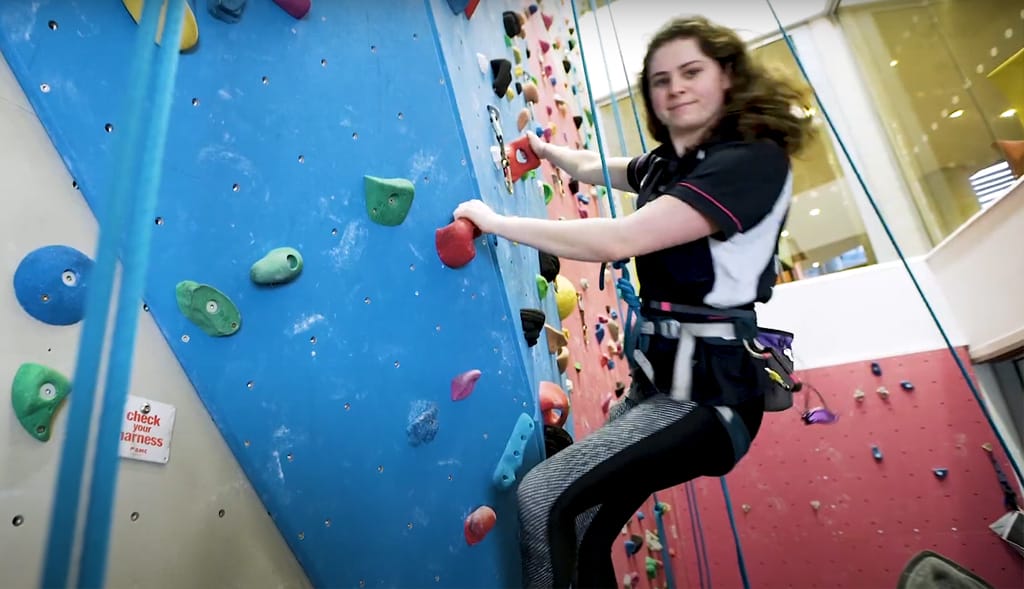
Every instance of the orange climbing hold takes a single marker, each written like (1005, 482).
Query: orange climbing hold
(478, 524)
(554, 404)
(454, 242)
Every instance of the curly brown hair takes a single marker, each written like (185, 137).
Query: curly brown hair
(760, 104)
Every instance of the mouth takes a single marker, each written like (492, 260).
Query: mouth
(680, 106)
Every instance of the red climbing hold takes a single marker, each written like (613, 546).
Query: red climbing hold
(544, 46)
(471, 8)
(529, 162)
(479, 524)
(454, 242)
(548, 20)
(296, 8)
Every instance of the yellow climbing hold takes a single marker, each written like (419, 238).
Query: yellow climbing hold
(565, 296)
(189, 31)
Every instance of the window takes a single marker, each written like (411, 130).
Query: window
(824, 232)
(948, 80)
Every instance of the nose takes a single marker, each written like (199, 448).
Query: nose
(677, 85)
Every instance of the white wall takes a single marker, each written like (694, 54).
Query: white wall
(856, 315)
(179, 539)
(980, 269)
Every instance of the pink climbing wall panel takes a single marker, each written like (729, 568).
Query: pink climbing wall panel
(595, 379)
(873, 515)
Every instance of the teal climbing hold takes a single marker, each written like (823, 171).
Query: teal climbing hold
(208, 308)
(388, 200)
(512, 459)
(36, 393)
(279, 266)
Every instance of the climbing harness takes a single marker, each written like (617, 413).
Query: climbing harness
(502, 155)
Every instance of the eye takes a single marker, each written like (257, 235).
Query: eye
(690, 74)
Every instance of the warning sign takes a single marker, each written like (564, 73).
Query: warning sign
(146, 430)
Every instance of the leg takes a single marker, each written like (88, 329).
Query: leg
(594, 567)
(658, 444)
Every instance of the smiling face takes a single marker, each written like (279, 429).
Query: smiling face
(687, 88)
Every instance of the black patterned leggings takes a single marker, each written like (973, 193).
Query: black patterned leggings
(573, 505)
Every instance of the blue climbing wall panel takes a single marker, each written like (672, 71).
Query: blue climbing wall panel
(274, 124)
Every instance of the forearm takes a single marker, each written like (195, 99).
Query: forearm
(586, 240)
(578, 163)
(585, 165)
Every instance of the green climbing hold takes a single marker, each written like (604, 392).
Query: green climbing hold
(36, 393)
(542, 286)
(208, 308)
(549, 192)
(388, 200)
(279, 266)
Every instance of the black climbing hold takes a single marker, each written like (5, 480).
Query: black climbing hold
(502, 70)
(574, 185)
(533, 324)
(578, 121)
(876, 369)
(556, 439)
(519, 88)
(550, 265)
(229, 11)
(527, 53)
(566, 65)
(511, 21)
(572, 44)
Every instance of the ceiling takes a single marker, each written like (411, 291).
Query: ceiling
(634, 22)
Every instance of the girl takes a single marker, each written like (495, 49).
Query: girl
(712, 200)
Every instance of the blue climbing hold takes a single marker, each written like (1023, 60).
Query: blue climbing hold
(907, 385)
(229, 11)
(422, 428)
(512, 459)
(940, 472)
(876, 452)
(50, 284)
(631, 548)
(876, 369)
(599, 332)
(640, 515)
(458, 6)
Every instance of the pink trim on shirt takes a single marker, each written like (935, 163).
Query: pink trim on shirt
(715, 202)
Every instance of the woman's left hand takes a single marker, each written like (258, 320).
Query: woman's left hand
(479, 213)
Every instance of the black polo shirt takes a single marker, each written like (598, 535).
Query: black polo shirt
(745, 189)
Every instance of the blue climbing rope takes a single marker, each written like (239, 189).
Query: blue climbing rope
(112, 230)
(735, 534)
(111, 215)
(895, 244)
(136, 262)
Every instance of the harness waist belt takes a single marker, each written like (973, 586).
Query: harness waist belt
(687, 334)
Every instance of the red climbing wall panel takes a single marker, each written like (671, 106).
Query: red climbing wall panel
(595, 380)
(873, 516)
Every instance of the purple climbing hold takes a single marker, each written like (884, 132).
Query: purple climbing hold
(462, 385)
(820, 415)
